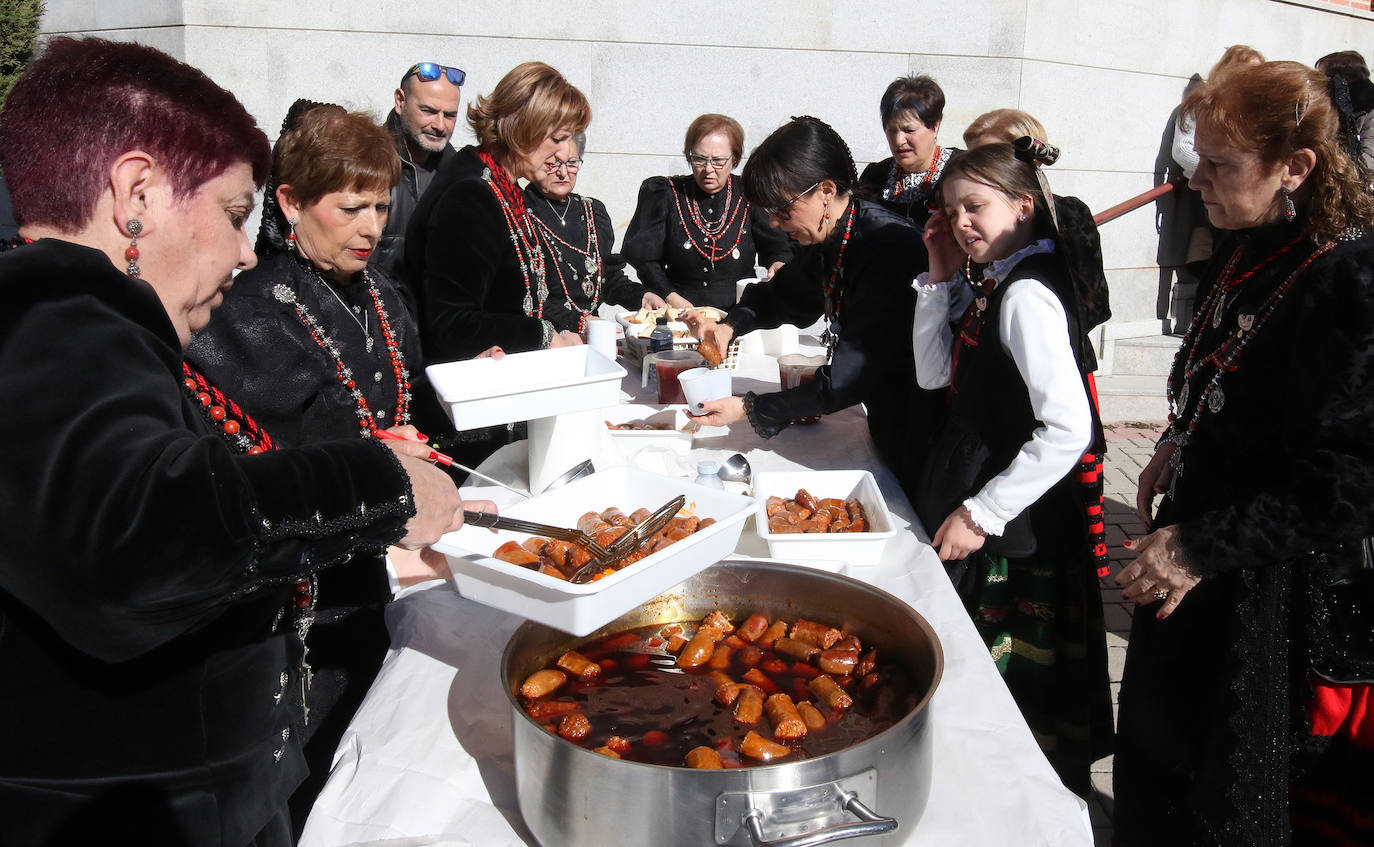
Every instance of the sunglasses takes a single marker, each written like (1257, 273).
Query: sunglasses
(429, 71)
(783, 212)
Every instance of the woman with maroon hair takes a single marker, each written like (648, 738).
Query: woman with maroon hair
(158, 554)
(1247, 713)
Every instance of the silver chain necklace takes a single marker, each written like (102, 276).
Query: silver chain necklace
(562, 218)
(363, 324)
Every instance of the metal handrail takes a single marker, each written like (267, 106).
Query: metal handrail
(1137, 201)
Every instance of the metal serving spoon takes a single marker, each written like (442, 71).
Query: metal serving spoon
(736, 469)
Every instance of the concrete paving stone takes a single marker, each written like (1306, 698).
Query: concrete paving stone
(1117, 640)
(1102, 785)
(1103, 765)
(1115, 535)
(1116, 692)
(1116, 662)
(1118, 619)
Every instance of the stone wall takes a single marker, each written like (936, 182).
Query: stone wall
(1102, 76)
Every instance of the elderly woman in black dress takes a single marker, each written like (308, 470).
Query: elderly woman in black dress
(159, 556)
(911, 108)
(854, 268)
(1245, 706)
(693, 237)
(479, 261)
(577, 230)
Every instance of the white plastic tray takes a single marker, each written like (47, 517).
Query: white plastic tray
(631, 441)
(580, 609)
(524, 386)
(855, 548)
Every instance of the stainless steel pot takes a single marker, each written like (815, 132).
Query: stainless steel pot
(572, 797)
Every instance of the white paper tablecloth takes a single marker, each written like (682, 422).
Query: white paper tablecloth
(428, 757)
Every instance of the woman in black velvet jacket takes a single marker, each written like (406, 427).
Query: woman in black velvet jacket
(477, 259)
(1245, 706)
(855, 268)
(158, 555)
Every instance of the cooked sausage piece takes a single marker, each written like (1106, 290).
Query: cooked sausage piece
(700, 648)
(615, 517)
(718, 620)
(867, 664)
(819, 634)
(726, 688)
(618, 744)
(542, 683)
(574, 727)
(749, 705)
(754, 676)
(783, 715)
(773, 633)
(640, 515)
(774, 505)
(815, 721)
(675, 642)
(753, 627)
(703, 758)
(805, 500)
(591, 523)
(795, 648)
(849, 642)
(778, 525)
(547, 568)
(720, 659)
(838, 662)
(749, 656)
(513, 553)
(755, 746)
(579, 665)
(607, 751)
(825, 688)
(544, 709)
(535, 544)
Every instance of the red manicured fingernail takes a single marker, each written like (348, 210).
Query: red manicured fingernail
(1126, 543)
(422, 436)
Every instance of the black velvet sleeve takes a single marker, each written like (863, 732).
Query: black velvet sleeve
(647, 235)
(874, 179)
(875, 328)
(1322, 461)
(617, 288)
(793, 296)
(472, 285)
(128, 522)
(771, 244)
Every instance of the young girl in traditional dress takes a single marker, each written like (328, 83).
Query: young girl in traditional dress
(997, 321)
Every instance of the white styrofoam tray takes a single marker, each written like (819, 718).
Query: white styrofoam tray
(855, 548)
(580, 609)
(630, 441)
(524, 386)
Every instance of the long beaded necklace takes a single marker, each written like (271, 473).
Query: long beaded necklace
(834, 301)
(1226, 357)
(366, 417)
(529, 253)
(244, 435)
(591, 261)
(713, 232)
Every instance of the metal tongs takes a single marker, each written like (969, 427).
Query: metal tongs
(602, 556)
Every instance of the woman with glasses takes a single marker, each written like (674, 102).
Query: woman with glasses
(692, 238)
(911, 108)
(854, 268)
(482, 267)
(583, 270)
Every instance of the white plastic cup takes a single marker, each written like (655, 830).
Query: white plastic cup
(781, 341)
(601, 337)
(700, 385)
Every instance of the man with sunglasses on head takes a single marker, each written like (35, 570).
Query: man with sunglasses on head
(422, 123)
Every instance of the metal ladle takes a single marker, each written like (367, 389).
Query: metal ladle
(736, 469)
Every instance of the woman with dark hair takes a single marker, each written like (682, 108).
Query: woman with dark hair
(158, 555)
(1350, 66)
(317, 344)
(577, 230)
(854, 269)
(693, 237)
(473, 251)
(1000, 493)
(1245, 708)
(911, 109)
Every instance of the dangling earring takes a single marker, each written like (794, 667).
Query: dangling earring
(1289, 210)
(291, 236)
(134, 226)
(827, 210)
(1021, 219)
